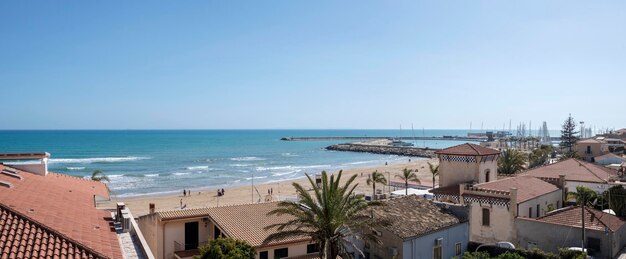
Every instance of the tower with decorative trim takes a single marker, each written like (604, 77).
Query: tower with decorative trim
(467, 163)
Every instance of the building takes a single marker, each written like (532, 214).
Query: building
(577, 173)
(45, 214)
(609, 159)
(179, 233)
(418, 229)
(493, 206)
(605, 233)
(590, 148)
(467, 163)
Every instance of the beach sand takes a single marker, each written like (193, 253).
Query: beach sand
(281, 190)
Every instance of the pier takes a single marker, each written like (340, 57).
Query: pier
(376, 138)
(384, 149)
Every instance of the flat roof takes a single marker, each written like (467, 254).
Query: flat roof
(24, 156)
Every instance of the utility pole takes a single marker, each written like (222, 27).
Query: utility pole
(583, 218)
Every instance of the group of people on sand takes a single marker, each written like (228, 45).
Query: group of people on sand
(220, 192)
(186, 192)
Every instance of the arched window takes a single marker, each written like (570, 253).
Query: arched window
(487, 175)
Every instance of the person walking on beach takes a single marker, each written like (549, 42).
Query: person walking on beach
(181, 203)
(222, 191)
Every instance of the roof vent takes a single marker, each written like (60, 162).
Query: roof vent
(6, 184)
(11, 174)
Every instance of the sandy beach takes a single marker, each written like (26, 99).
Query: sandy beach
(281, 190)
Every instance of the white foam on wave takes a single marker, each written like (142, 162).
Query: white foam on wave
(201, 167)
(289, 167)
(239, 165)
(180, 173)
(152, 175)
(364, 162)
(286, 173)
(247, 158)
(94, 160)
(256, 177)
(288, 154)
(75, 167)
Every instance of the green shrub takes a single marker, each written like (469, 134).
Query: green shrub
(571, 254)
(227, 248)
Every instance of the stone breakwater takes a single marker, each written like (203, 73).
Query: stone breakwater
(384, 149)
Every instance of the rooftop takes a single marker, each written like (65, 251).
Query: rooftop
(23, 237)
(411, 216)
(527, 187)
(608, 155)
(468, 149)
(61, 203)
(574, 170)
(594, 219)
(245, 222)
(590, 141)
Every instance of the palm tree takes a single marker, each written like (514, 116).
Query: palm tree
(99, 176)
(332, 217)
(408, 175)
(373, 178)
(512, 161)
(434, 170)
(584, 195)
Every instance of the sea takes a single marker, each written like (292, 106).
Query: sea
(149, 162)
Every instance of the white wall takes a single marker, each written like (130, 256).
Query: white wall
(499, 229)
(543, 202)
(295, 249)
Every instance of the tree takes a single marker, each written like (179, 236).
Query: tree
(227, 248)
(568, 136)
(373, 178)
(434, 170)
(99, 176)
(332, 217)
(408, 175)
(512, 161)
(583, 195)
(539, 156)
(616, 197)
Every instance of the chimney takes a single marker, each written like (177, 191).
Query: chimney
(461, 190)
(513, 202)
(151, 206)
(563, 189)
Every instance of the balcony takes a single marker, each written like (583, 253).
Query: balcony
(181, 253)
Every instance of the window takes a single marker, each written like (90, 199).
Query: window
(216, 232)
(558, 203)
(263, 255)
(437, 252)
(588, 150)
(538, 210)
(312, 248)
(487, 175)
(458, 249)
(530, 212)
(486, 217)
(281, 253)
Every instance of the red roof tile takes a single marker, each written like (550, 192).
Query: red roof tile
(468, 149)
(64, 204)
(574, 170)
(527, 187)
(594, 219)
(20, 236)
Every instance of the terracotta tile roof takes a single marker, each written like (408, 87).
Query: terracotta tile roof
(590, 141)
(452, 190)
(468, 149)
(64, 204)
(574, 170)
(244, 222)
(411, 216)
(594, 219)
(22, 237)
(528, 187)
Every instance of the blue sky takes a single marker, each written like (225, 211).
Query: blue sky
(310, 64)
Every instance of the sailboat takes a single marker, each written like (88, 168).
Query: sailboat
(397, 142)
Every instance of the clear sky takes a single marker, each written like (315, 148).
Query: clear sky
(310, 64)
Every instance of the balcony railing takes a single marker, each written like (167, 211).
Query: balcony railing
(189, 246)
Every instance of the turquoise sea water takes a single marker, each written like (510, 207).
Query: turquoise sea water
(160, 161)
